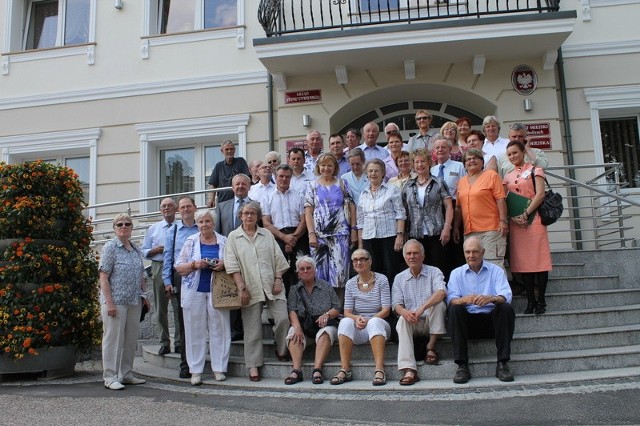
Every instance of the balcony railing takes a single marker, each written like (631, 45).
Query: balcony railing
(279, 17)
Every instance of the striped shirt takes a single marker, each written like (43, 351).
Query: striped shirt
(379, 211)
(412, 292)
(367, 303)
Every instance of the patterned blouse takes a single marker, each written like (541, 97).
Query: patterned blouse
(126, 272)
(427, 218)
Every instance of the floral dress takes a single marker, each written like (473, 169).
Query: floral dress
(332, 230)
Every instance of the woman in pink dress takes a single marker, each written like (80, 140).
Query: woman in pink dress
(530, 256)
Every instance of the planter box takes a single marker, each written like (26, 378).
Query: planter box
(58, 361)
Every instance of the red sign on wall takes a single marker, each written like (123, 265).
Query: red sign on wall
(302, 96)
(539, 135)
(295, 143)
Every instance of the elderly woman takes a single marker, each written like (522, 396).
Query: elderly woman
(367, 302)
(122, 295)
(475, 140)
(404, 170)
(330, 216)
(380, 221)
(493, 143)
(200, 258)
(356, 179)
(530, 255)
(394, 145)
(315, 298)
(429, 211)
(481, 208)
(450, 131)
(464, 127)
(256, 264)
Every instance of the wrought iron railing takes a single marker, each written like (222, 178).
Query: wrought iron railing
(279, 17)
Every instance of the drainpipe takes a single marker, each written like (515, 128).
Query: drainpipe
(569, 144)
(270, 111)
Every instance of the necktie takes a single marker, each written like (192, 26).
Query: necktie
(441, 172)
(236, 219)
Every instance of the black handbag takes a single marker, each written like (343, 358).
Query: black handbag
(551, 207)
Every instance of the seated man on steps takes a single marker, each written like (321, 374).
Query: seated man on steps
(479, 299)
(417, 299)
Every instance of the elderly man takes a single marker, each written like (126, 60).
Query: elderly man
(493, 143)
(283, 215)
(336, 147)
(314, 149)
(370, 146)
(260, 190)
(224, 171)
(253, 168)
(152, 248)
(301, 177)
(479, 299)
(425, 132)
(417, 299)
(535, 156)
(174, 240)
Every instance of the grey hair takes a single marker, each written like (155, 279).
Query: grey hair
(305, 259)
(517, 127)
(120, 216)
(410, 242)
(356, 152)
(275, 154)
(442, 138)
(490, 119)
(202, 213)
(253, 205)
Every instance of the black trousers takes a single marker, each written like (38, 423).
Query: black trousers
(301, 248)
(498, 324)
(385, 260)
(177, 284)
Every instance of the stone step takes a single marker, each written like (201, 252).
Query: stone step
(584, 299)
(582, 283)
(567, 270)
(578, 319)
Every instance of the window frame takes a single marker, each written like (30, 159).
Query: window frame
(175, 134)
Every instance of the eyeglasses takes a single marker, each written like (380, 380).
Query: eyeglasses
(305, 268)
(359, 259)
(392, 132)
(121, 224)
(272, 161)
(423, 117)
(249, 213)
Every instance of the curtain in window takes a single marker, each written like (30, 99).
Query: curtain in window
(621, 144)
(177, 174)
(177, 15)
(77, 22)
(43, 25)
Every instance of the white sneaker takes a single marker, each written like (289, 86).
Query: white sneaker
(220, 377)
(133, 381)
(196, 379)
(114, 385)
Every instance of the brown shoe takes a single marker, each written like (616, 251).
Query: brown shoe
(410, 377)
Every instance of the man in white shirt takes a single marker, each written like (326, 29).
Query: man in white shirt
(370, 146)
(300, 177)
(314, 149)
(493, 143)
(152, 248)
(262, 189)
(535, 156)
(283, 216)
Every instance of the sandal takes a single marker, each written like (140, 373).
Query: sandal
(377, 380)
(339, 379)
(432, 357)
(317, 380)
(291, 380)
(408, 380)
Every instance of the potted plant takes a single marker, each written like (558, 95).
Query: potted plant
(48, 271)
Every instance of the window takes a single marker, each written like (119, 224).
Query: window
(189, 15)
(179, 156)
(621, 144)
(51, 23)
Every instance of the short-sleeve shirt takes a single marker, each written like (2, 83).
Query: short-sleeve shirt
(125, 269)
(223, 173)
(322, 298)
(367, 303)
(479, 202)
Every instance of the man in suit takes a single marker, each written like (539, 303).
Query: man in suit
(226, 221)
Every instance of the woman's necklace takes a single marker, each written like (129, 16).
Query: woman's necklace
(365, 283)
(424, 181)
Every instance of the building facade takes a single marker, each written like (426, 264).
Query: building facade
(137, 95)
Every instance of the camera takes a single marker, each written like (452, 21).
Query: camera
(212, 262)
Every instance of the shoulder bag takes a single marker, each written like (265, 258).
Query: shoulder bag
(551, 207)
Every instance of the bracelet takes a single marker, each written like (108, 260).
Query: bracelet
(312, 232)
(504, 221)
(278, 278)
(193, 265)
(400, 233)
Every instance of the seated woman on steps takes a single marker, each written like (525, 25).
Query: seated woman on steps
(367, 302)
(315, 300)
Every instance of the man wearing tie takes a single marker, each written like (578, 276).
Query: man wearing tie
(226, 221)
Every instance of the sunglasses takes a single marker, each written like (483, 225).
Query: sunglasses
(359, 259)
(121, 224)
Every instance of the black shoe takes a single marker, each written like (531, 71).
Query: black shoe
(541, 308)
(503, 373)
(530, 307)
(164, 350)
(178, 349)
(184, 374)
(462, 374)
(236, 337)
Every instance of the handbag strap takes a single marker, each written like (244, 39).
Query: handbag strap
(304, 301)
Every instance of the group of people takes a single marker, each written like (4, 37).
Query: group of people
(368, 235)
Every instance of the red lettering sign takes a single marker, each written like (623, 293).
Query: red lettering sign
(539, 135)
(302, 96)
(295, 143)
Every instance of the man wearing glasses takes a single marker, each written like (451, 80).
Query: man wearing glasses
(224, 171)
(425, 134)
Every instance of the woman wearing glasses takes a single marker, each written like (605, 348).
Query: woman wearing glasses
(122, 295)
(367, 302)
(481, 208)
(256, 264)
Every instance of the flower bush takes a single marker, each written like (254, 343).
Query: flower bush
(48, 272)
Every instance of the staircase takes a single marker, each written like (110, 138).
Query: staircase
(592, 323)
